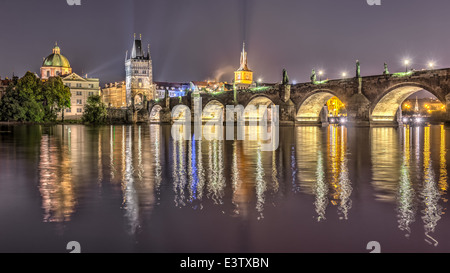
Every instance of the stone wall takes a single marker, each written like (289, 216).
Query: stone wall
(117, 115)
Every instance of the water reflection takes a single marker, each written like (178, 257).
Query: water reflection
(406, 191)
(430, 194)
(414, 185)
(56, 184)
(129, 203)
(340, 182)
(141, 166)
(323, 171)
(385, 163)
(443, 185)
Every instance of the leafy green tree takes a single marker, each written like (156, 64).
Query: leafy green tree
(55, 97)
(95, 110)
(22, 101)
(31, 100)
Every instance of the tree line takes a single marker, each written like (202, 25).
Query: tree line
(29, 99)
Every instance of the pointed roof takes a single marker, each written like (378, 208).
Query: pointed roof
(244, 63)
(416, 107)
(137, 51)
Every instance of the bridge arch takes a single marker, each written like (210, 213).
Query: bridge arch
(312, 105)
(138, 101)
(386, 106)
(255, 108)
(155, 112)
(214, 110)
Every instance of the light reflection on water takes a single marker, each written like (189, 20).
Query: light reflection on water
(315, 168)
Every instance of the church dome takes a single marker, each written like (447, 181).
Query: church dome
(56, 59)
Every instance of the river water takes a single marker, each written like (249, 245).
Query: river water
(135, 189)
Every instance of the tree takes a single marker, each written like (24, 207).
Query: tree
(32, 100)
(55, 97)
(95, 110)
(22, 101)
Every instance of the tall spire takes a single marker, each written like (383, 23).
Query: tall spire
(416, 107)
(244, 63)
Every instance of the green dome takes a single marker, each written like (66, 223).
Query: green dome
(56, 59)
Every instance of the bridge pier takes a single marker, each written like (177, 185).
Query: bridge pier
(358, 111)
(447, 116)
(287, 113)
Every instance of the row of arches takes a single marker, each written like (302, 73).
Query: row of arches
(316, 107)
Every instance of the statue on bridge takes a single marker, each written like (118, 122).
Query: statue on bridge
(358, 69)
(386, 71)
(285, 77)
(313, 76)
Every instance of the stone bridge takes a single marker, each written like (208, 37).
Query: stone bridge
(369, 101)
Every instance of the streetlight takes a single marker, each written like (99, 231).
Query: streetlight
(431, 65)
(320, 74)
(406, 65)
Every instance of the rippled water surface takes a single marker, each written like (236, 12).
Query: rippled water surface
(135, 189)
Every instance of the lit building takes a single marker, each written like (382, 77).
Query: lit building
(139, 79)
(80, 88)
(181, 89)
(335, 107)
(175, 89)
(55, 65)
(243, 77)
(115, 95)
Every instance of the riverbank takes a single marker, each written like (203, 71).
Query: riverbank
(66, 122)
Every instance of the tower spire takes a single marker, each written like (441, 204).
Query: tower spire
(416, 107)
(244, 63)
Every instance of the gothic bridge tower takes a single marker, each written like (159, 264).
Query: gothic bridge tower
(139, 78)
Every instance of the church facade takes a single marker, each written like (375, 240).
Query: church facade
(56, 65)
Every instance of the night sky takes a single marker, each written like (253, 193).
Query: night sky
(202, 39)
